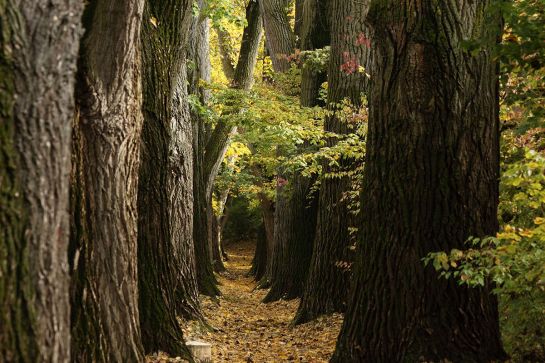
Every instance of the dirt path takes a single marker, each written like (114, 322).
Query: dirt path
(249, 331)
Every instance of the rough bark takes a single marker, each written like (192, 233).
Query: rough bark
(165, 199)
(39, 43)
(328, 283)
(280, 37)
(431, 181)
(105, 322)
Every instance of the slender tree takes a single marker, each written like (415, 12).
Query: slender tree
(215, 143)
(105, 322)
(165, 245)
(328, 283)
(431, 181)
(280, 37)
(39, 43)
(199, 54)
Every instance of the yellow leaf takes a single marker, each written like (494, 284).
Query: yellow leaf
(153, 21)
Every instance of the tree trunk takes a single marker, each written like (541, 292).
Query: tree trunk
(165, 245)
(227, 63)
(213, 147)
(299, 6)
(280, 37)
(294, 230)
(249, 47)
(259, 263)
(199, 54)
(431, 181)
(217, 223)
(103, 248)
(327, 287)
(295, 214)
(267, 210)
(39, 43)
(315, 34)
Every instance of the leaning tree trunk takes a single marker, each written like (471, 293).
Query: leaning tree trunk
(431, 181)
(328, 283)
(39, 43)
(165, 245)
(215, 143)
(105, 320)
(280, 37)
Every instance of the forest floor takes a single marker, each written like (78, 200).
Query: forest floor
(246, 330)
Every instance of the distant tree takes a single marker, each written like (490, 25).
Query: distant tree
(39, 43)
(326, 290)
(296, 210)
(165, 224)
(106, 154)
(431, 182)
(212, 145)
(198, 53)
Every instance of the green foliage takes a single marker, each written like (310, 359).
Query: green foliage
(316, 60)
(522, 55)
(221, 12)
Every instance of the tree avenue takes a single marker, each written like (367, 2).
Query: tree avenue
(272, 181)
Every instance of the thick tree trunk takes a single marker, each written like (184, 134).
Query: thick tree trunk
(431, 181)
(166, 261)
(103, 248)
(327, 287)
(39, 43)
(280, 37)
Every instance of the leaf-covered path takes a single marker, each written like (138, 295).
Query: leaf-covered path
(250, 331)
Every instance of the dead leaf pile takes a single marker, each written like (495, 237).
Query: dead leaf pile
(246, 330)
(243, 329)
